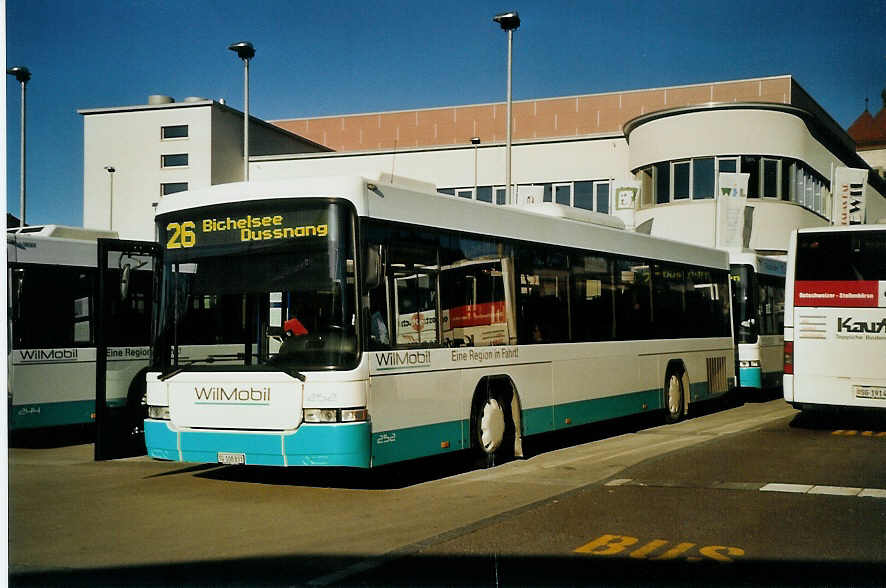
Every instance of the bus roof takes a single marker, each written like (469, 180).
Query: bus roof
(407, 203)
(841, 228)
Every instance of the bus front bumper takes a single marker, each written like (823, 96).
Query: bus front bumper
(337, 445)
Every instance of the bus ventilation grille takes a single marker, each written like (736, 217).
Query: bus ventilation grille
(717, 375)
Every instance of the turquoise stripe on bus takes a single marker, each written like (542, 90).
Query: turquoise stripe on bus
(56, 414)
(344, 445)
(601, 409)
(750, 377)
(52, 414)
(413, 442)
(161, 441)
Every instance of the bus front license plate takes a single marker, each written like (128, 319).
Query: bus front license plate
(877, 392)
(232, 458)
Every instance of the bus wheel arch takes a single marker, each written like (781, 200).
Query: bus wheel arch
(675, 398)
(495, 421)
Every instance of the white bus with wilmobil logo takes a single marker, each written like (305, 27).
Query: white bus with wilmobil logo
(835, 318)
(299, 325)
(52, 283)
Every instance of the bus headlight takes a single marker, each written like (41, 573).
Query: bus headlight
(353, 415)
(160, 413)
(321, 415)
(335, 415)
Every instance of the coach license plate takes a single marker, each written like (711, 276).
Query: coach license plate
(877, 392)
(232, 458)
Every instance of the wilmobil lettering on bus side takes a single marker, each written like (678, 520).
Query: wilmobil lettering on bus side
(392, 360)
(47, 355)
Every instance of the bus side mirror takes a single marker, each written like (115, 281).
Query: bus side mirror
(124, 281)
(373, 268)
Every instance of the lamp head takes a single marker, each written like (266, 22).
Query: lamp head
(21, 73)
(475, 140)
(508, 20)
(243, 49)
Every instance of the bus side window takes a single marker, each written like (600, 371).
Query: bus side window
(412, 272)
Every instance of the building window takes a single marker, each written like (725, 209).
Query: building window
(174, 132)
(681, 180)
(449, 191)
(727, 165)
(662, 183)
(602, 190)
(172, 187)
(563, 194)
(174, 160)
(771, 171)
(484, 193)
(703, 178)
(584, 195)
(465, 193)
(750, 164)
(500, 195)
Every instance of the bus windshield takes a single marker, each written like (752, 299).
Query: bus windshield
(268, 283)
(849, 256)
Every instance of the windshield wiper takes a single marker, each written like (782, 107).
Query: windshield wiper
(207, 359)
(286, 370)
(213, 358)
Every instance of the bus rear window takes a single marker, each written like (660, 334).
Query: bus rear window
(844, 256)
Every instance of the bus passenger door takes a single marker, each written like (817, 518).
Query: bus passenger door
(123, 316)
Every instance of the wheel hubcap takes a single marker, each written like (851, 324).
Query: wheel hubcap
(492, 426)
(674, 396)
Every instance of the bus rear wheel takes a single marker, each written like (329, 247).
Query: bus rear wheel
(493, 430)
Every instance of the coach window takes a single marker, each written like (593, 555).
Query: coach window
(412, 285)
(592, 298)
(52, 307)
(130, 316)
(544, 297)
(633, 308)
(669, 300)
(476, 292)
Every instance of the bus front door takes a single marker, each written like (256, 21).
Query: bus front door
(123, 318)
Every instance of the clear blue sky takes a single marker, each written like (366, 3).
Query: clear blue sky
(336, 57)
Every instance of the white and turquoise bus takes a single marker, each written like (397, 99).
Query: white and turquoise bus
(285, 336)
(835, 318)
(758, 311)
(52, 282)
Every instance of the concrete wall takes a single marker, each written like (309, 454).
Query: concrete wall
(131, 142)
(590, 159)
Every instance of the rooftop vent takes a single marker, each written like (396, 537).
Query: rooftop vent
(155, 99)
(194, 99)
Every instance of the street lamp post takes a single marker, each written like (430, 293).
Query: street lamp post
(509, 21)
(245, 51)
(110, 169)
(22, 74)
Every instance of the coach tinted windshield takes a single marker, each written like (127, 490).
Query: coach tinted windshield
(267, 283)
